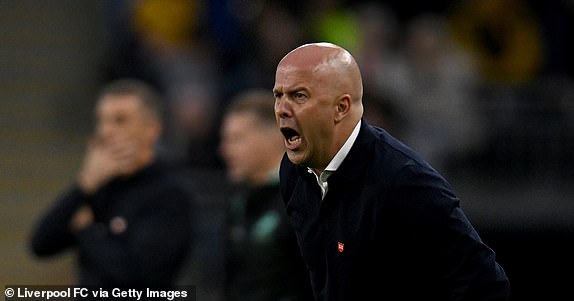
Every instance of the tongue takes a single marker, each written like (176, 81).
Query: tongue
(293, 142)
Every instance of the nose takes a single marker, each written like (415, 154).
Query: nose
(282, 109)
(106, 130)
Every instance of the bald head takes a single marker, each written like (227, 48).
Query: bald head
(330, 63)
(318, 102)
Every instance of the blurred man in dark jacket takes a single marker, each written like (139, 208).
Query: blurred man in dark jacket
(263, 261)
(128, 213)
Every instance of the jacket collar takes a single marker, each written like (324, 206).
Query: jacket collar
(356, 161)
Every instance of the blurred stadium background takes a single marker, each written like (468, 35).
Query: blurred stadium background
(514, 172)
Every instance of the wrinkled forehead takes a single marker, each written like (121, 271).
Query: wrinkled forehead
(287, 72)
(118, 100)
(293, 77)
(114, 105)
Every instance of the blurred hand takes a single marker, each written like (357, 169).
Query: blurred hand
(105, 160)
(83, 218)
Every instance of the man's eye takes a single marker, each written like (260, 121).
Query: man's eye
(298, 95)
(120, 120)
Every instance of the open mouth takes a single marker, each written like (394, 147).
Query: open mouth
(292, 138)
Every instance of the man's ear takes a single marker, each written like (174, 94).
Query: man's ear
(343, 107)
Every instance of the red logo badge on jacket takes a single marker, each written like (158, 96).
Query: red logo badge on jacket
(340, 246)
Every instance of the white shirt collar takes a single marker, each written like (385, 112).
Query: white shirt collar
(344, 151)
(336, 161)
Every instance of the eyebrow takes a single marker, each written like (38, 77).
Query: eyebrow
(286, 90)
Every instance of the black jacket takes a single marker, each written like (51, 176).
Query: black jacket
(389, 228)
(155, 205)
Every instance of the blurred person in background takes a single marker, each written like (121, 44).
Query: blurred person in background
(263, 261)
(164, 44)
(128, 214)
(270, 29)
(437, 94)
(372, 217)
(378, 57)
